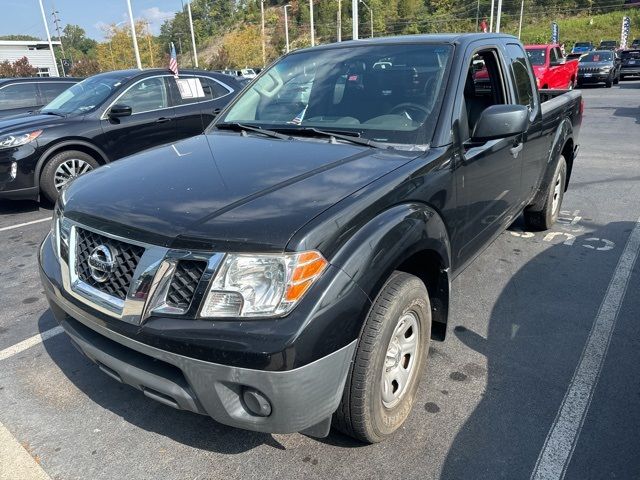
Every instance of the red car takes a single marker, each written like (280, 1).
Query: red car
(551, 67)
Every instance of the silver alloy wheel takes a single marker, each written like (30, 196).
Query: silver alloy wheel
(557, 190)
(68, 170)
(400, 359)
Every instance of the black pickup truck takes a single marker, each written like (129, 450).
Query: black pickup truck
(287, 269)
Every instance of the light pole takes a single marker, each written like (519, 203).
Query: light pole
(46, 27)
(499, 16)
(133, 35)
(193, 37)
(521, 13)
(313, 37)
(286, 25)
(354, 19)
(264, 53)
(491, 18)
(370, 15)
(339, 21)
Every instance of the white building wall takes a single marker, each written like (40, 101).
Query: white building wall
(37, 58)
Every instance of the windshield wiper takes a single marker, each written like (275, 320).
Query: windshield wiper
(250, 128)
(353, 137)
(52, 112)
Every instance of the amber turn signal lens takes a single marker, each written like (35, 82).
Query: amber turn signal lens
(309, 266)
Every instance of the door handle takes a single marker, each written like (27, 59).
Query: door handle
(163, 120)
(515, 150)
(216, 111)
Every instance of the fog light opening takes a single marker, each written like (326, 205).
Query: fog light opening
(256, 402)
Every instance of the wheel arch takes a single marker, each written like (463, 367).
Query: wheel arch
(412, 238)
(75, 144)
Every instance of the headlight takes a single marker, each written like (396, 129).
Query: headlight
(61, 232)
(261, 285)
(10, 141)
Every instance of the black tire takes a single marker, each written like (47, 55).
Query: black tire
(545, 218)
(608, 83)
(616, 80)
(47, 177)
(362, 414)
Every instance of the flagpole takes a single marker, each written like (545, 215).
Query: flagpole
(133, 35)
(193, 37)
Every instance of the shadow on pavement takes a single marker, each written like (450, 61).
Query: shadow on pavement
(535, 335)
(20, 206)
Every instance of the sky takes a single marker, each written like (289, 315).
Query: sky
(24, 17)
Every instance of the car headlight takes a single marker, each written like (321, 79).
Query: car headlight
(261, 285)
(10, 141)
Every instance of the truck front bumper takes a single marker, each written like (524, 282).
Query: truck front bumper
(297, 400)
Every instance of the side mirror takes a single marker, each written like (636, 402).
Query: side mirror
(500, 121)
(119, 110)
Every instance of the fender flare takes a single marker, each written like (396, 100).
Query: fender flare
(564, 133)
(66, 143)
(388, 240)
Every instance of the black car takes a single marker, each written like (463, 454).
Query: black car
(21, 95)
(288, 268)
(104, 118)
(608, 45)
(600, 66)
(630, 63)
(635, 43)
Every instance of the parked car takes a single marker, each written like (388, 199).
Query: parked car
(286, 270)
(551, 68)
(630, 63)
(582, 47)
(22, 95)
(248, 73)
(102, 119)
(608, 45)
(599, 66)
(635, 43)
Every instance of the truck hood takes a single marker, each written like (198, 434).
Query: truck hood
(224, 191)
(30, 122)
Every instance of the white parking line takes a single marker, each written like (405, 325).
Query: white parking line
(13, 227)
(29, 342)
(562, 437)
(15, 462)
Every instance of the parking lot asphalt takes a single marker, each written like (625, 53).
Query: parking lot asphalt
(504, 389)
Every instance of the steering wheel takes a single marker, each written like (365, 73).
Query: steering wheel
(413, 111)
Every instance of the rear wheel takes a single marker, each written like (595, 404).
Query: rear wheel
(383, 380)
(545, 218)
(61, 169)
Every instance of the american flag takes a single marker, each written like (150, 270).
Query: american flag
(173, 60)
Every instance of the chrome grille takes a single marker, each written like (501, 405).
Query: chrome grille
(184, 283)
(126, 258)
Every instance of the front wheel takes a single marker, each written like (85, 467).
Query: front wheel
(389, 362)
(608, 83)
(61, 169)
(545, 218)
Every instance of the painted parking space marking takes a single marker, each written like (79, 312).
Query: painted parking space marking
(563, 436)
(15, 461)
(25, 224)
(29, 342)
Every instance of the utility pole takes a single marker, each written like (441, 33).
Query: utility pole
(133, 35)
(370, 15)
(46, 27)
(264, 52)
(478, 17)
(499, 16)
(56, 21)
(491, 19)
(521, 14)
(339, 21)
(286, 25)
(313, 39)
(354, 19)
(193, 37)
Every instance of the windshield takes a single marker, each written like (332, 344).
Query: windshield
(86, 95)
(631, 54)
(611, 43)
(597, 57)
(387, 93)
(537, 56)
(582, 45)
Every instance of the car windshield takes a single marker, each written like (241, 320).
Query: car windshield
(608, 44)
(597, 57)
(537, 56)
(385, 93)
(631, 54)
(86, 95)
(582, 44)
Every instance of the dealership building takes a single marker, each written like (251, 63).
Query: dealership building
(36, 51)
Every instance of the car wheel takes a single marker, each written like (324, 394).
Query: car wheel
(61, 169)
(545, 218)
(608, 83)
(383, 379)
